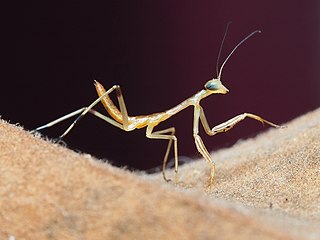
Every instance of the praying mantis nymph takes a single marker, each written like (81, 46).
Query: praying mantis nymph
(118, 116)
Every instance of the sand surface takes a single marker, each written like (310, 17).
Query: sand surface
(267, 187)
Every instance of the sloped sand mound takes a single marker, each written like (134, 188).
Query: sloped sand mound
(267, 187)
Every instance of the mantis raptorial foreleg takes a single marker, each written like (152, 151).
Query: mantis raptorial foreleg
(229, 124)
(223, 127)
(199, 143)
(206, 155)
(171, 137)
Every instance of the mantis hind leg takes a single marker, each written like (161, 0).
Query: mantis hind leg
(74, 113)
(107, 119)
(167, 134)
(83, 111)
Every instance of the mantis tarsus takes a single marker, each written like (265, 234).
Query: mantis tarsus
(119, 116)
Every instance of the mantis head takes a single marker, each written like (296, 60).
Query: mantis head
(215, 85)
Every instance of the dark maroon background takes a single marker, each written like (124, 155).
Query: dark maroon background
(160, 52)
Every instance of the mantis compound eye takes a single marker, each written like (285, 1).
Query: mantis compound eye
(213, 85)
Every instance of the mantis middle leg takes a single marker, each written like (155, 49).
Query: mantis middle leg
(163, 134)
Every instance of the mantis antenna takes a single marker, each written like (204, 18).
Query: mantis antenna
(221, 46)
(235, 48)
